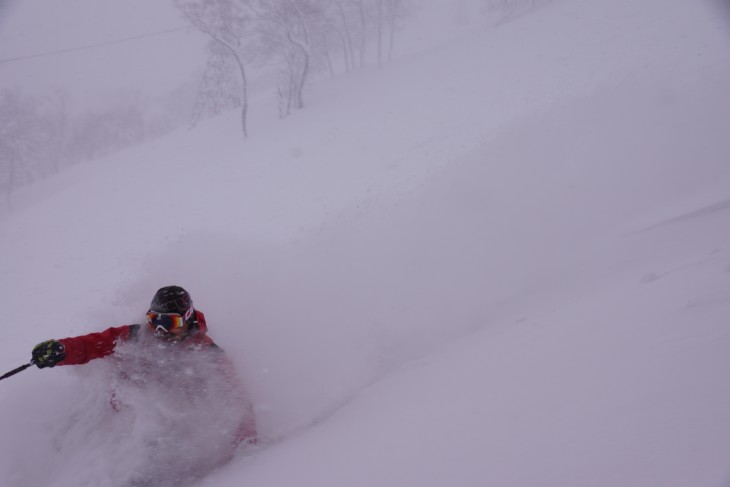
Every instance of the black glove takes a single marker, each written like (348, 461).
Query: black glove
(48, 353)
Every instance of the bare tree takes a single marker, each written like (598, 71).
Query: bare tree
(219, 88)
(377, 20)
(10, 142)
(57, 128)
(396, 12)
(362, 11)
(341, 19)
(291, 31)
(38, 136)
(96, 134)
(508, 10)
(299, 36)
(227, 24)
(23, 131)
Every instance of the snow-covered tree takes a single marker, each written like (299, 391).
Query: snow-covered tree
(297, 36)
(29, 139)
(341, 18)
(220, 87)
(394, 14)
(294, 34)
(228, 25)
(102, 132)
(506, 10)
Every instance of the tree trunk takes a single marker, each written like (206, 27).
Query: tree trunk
(363, 37)
(304, 73)
(281, 101)
(327, 55)
(290, 94)
(11, 184)
(348, 36)
(302, 80)
(344, 50)
(391, 44)
(380, 32)
(244, 94)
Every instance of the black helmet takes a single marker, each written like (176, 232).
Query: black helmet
(171, 299)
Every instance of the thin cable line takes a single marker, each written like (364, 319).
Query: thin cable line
(91, 46)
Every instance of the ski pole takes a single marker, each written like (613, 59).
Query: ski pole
(19, 369)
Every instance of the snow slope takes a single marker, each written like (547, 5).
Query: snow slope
(504, 260)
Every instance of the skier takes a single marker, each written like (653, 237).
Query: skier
(176, 327)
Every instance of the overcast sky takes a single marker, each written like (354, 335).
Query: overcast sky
(154, 64)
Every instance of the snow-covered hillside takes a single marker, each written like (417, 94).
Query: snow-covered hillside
(503, 260)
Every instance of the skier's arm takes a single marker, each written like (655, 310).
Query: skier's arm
(81, 349)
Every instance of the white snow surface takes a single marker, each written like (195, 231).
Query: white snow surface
(503, 260)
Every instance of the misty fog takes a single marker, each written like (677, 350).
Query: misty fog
(464, 242)
(86, 78)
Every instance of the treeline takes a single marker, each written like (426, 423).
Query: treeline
(39, 136)
(508, 10)
(297, 37)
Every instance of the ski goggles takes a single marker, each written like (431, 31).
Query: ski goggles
(173, 323)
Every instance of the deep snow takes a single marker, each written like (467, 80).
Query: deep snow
(504, 260)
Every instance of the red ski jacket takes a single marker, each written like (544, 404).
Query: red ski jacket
(83, 349)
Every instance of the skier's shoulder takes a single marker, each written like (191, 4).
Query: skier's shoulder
(198, 322)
